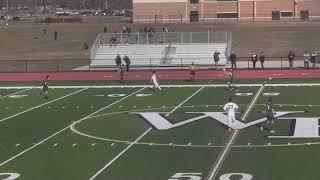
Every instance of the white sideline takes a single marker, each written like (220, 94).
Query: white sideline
(169, 85)
(65, 128)
(140, 137)
(4, 119)
(222, 156)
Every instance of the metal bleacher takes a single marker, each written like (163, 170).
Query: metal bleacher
(166, 54)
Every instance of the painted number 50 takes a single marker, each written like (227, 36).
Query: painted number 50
(190, 176)
(9, 176)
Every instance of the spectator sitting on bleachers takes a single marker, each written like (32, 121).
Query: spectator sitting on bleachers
(113, 41)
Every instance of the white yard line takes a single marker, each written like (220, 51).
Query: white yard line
(170, 85)
(140, 137)
(36, 107)
(65, 128)
(226, 149)
(1, 97)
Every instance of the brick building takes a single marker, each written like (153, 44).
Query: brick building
(186, 11)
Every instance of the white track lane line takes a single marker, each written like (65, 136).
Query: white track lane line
(140, 137)
(60, 131)
(213, 172)
(4, 119)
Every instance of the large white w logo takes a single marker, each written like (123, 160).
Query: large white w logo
(159, 122)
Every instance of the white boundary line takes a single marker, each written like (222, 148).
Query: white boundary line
(140, 137)
(225, 151)
(36, 107)
(169, 85)
(65, 128)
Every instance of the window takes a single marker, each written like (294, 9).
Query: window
(227, 15)
(286, 14)
(194, 1)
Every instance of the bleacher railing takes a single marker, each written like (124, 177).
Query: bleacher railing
(95, 46)
(166, 37)
(71, 65)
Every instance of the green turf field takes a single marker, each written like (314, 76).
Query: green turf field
(135, 133)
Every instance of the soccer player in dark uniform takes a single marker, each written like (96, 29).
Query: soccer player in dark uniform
(45, 88)
(230, 84)
(270, 115)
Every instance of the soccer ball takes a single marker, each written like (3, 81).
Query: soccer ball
(224, 69)
(270, 78)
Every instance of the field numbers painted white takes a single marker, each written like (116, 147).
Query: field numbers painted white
(16, 96)
(9, 176)
(186, 176)
(143, 95)
(244, 94)
(244, 176)
(271, 94)
(116, 95)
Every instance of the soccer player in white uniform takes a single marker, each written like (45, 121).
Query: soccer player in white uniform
(155, 81)
(231, 108)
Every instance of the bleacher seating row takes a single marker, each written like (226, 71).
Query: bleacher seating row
(153, 55)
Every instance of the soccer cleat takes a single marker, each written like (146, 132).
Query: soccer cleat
(272, 131)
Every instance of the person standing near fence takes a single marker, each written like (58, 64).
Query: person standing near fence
(216, 59)
(313, 59)
(192, 69)
(55, 35)
(233, 59)
(254, 59)
(113, 41)
(291, 57)
(118, 62)
(306, 58)
(262, 59)
(127, 61)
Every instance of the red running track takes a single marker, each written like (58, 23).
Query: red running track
(162, 75)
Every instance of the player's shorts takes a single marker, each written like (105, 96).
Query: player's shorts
(193, 73)
(270, 117)
(45, 88)
(155, 84)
